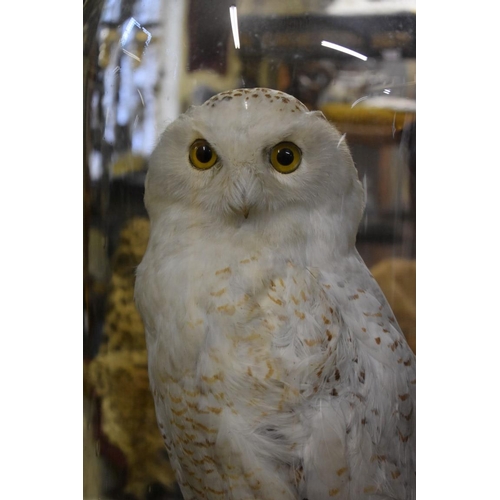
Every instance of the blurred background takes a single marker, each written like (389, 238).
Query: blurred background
(145, 62)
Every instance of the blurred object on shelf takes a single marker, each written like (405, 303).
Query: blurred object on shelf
(128, 163)
(309, 79)
(278, 7)
(371, 7)
(387, 82)
(397, 279)
(119, 372)
(366, 123)
(398, 104)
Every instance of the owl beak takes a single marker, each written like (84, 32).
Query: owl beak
(241, 209)
(243, 191)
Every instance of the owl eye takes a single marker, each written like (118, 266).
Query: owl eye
(201, 155)
(285, 157)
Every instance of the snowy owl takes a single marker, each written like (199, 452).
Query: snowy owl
(277, 367)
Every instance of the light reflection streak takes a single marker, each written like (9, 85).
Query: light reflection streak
(358, 101)
(334, 46)
(140, 95)
(233, 14)
(133, 56)
(126, 34)
(127, 30)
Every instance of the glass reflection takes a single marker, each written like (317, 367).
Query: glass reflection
(147, 61)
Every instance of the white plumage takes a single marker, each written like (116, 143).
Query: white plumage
(277, 367)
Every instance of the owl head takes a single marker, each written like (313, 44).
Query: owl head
(252, 155)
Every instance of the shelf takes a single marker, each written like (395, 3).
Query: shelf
(302, 35)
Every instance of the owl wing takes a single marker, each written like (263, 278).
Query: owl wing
(361, 408)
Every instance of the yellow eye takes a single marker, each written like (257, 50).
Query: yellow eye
(201, 155)
(285, 157)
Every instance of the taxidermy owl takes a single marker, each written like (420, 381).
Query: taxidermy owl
(277, 367)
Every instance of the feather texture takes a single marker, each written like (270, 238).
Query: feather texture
(277, 368)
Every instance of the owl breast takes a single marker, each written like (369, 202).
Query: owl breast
(223, 365)
(247, 346)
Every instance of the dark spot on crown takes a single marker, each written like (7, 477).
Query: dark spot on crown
(227, 98)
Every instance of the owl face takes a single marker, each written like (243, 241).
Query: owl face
(249, 153)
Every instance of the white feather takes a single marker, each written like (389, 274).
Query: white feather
(277, 368)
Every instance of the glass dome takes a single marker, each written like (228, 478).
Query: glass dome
(145, 63)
